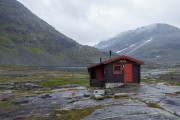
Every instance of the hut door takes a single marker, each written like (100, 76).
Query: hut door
(127, 73)
(99, 74)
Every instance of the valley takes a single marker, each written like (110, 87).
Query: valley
(37, 93)
(44, 76)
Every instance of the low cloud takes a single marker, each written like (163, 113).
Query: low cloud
(90, 21)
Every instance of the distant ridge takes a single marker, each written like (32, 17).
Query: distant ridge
(156, 44)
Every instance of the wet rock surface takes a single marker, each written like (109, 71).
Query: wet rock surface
(30, 85)
(4, 97)
(132, 103)
(130, 113)
(171, 104)
(122, 94)
(18, 85)
(136, 105)
(19, 101)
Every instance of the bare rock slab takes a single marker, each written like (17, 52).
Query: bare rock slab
(171, 104)
(19, 101)
(130, 113)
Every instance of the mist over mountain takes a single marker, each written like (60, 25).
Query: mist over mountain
(155, 44)
(25, 39)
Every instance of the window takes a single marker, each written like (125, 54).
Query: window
(117, 69)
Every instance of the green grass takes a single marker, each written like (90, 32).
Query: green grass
(4, 39)
(33, 117)
(46, 80)
(62, 81)
(153, 105)
(42, 77)
(34, 50)
(173, 83)
(74, 114)
(149, 104)
(6, 106)
(150, 81)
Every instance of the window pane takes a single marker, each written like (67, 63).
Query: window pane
(117, 69)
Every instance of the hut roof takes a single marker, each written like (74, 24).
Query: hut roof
(123, 57)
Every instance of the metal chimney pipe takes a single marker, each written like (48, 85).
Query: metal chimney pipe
(110, 53)
(100, 60)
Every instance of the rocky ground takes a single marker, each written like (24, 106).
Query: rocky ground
(37, 98)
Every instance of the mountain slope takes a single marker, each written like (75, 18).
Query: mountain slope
(26, 39)
(156, 43)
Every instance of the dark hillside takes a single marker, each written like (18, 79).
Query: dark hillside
(25, 39)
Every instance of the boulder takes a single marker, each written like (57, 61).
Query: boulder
(68, 86)
(44, 96)
(86, 94)
(6, 86)
(71, 101)
(98, 97)
(30, 85)
(99, 94)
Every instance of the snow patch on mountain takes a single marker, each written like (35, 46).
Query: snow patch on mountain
(149, 40)
(158, 56)
(145, 42)
(104, 46)
(125, 48)
(122, 50)
(132, 45)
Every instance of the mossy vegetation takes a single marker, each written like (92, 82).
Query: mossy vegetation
(153, 104)
(62, 81)
(6, 106)
(152, 81)
(34, 50)
(74, 114)
(4, 39)
(33, 117)
(173, 83)
(149, 104)
(41, 77)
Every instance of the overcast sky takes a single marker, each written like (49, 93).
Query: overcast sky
(90, 21)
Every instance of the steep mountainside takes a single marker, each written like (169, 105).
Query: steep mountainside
(156, 43)
(26, 39)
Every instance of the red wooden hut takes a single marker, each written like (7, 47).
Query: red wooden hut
(115, 72)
